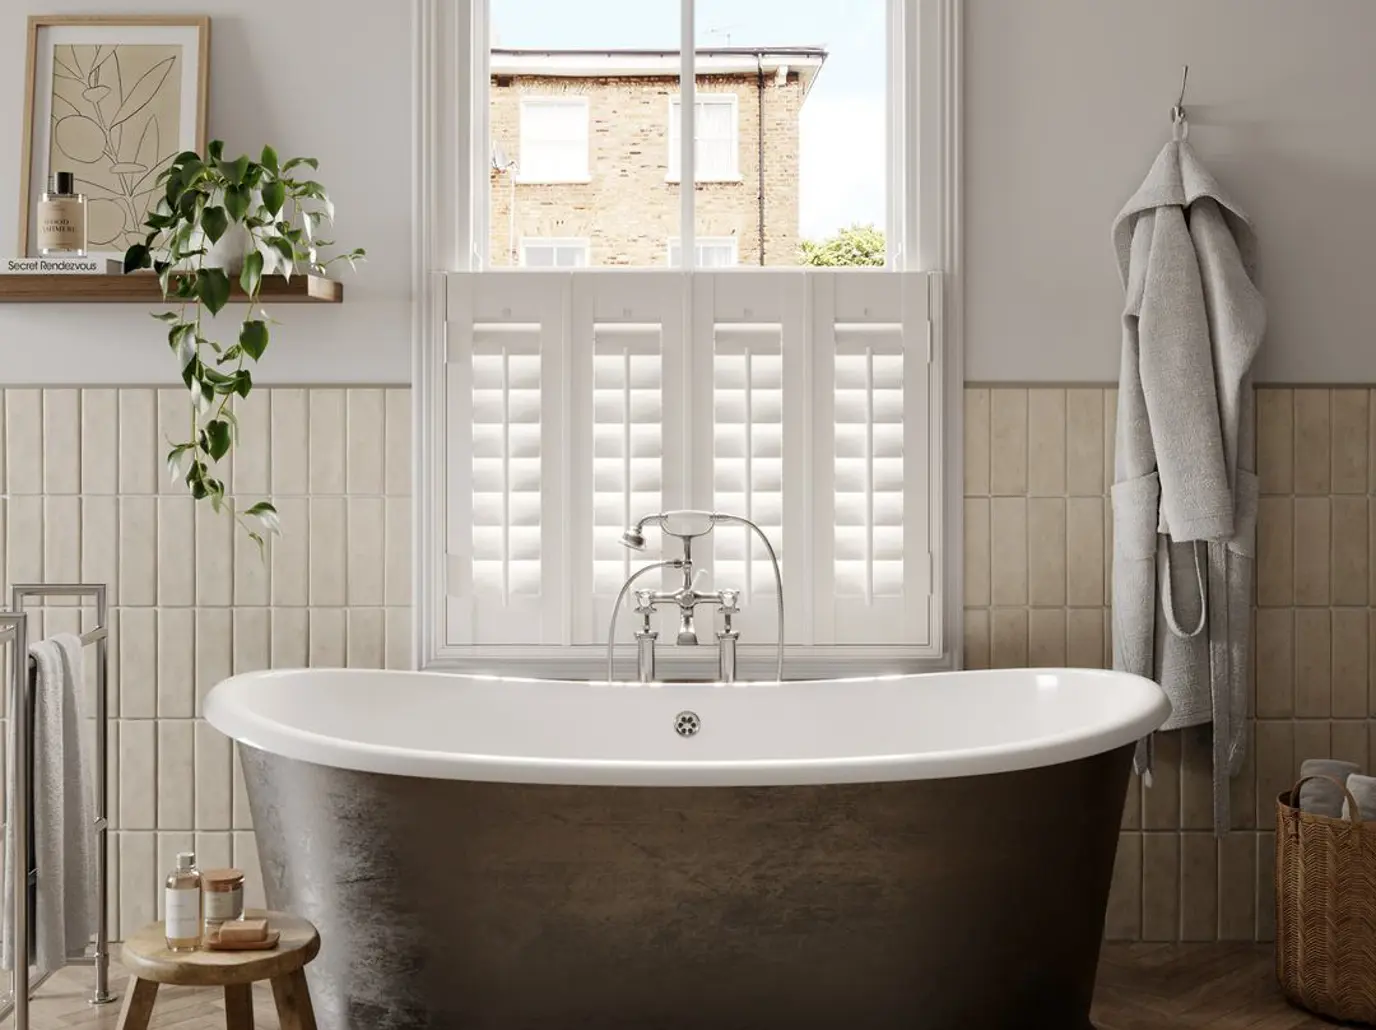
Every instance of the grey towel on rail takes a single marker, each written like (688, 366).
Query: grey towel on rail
(1324, 797)
(63, 812)
(1363, 788)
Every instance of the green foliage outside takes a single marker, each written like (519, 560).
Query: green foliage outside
(858, 245)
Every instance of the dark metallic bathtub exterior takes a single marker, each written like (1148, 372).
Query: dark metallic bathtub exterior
(974, 903)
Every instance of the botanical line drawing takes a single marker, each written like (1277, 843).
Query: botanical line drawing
(116, 112)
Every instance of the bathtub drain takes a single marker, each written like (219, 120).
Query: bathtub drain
(687, 723)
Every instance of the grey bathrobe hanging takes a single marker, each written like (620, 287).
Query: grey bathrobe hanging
(1185, 489)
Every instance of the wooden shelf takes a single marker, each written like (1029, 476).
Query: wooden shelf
(142, 288)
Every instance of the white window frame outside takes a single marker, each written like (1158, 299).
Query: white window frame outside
(579, 175)
(451, 170)
(703, 241)
(556, 243)
(675, 133)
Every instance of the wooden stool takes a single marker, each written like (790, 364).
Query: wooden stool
(149, 963)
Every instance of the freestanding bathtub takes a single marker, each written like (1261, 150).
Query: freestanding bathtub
(927, 852)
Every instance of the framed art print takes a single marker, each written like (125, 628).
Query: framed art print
(111, 99)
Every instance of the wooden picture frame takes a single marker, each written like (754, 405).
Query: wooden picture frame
(77, 56)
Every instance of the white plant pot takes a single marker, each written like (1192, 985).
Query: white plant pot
(229, 251)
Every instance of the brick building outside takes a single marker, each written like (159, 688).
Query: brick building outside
(585, 166)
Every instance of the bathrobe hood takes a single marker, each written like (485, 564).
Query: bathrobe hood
(1185, 490)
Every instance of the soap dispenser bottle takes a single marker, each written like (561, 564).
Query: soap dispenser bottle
(182, 904)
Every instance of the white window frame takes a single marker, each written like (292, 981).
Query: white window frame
(579, 103)
(674, 167)
(451, 168)
(556, 243)
(703, 241)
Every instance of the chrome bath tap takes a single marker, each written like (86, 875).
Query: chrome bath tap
(687, 526)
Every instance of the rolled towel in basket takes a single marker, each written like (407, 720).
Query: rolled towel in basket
(1363, 788)
(1324, 797)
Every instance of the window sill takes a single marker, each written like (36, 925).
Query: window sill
(582, 181)
(706, 182)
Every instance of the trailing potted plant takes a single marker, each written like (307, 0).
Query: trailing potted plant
(274, 218)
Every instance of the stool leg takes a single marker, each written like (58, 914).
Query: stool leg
(293, 997)
(239, 1006)
(137, 1010)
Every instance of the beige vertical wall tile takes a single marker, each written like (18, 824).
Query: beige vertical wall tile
(213, 778)
(290, 442)
(365, 639)
(249, 474)
(176, 681)
(1046, 442)
(1046, 551)
(174, 426)
(977, 550)
(1237, 870)
(1275, 767)
(138, 698)
(1313, 663)
(327, 442)
(137, 774)
(252, 639)
(214, 849)
(1085, 638)
(366, 432)
(99, 441)
(1313, 739)
(139, 460)
(366, 567)
(1161, 801)
(1123, 921)
(61, 540)
(246, 858)
(1008, 550)
(398, 469)
(215, 535)
(398, 585)
(326, 638)
(1276, 440)
(1350, 559)
(1275, 663)
(138, 548)
(252, 565)
(1084, 442)
(176, 774)
(100, 542)
(61, 441)
(1350, 742)
(327, 551)
(24, 540)
(976, 440)
(176, 551)
(24, 441)
(1198, 887)
(1046, 637)
(1085, 551)
(1351, 417)
(1313, 551)
(1196, 778)
(1312, 442)
(138, 881)
(290, 554)
(214, 647)
(1008, 644)
(1110, 432)
(290, 636)
(1349, 662)
(976, 638)
(399, 638)
(1160, 887)
(1008, 442)
(1275, 552)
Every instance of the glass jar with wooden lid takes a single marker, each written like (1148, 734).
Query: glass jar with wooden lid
(224, 897)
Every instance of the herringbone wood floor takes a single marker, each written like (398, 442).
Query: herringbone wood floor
(1141, 987)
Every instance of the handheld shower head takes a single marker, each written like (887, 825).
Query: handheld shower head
(633, 539)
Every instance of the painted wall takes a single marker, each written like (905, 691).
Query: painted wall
(325, 78)
(1067, 104)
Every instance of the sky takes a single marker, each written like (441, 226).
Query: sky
(842, 126)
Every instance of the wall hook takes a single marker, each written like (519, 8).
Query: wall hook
(1178, 111)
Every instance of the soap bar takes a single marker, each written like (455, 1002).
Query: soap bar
(245, 930)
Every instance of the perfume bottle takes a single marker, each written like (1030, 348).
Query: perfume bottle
(62, 218)
(182, 904)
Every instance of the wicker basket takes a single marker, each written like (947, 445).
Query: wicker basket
(1326, 909)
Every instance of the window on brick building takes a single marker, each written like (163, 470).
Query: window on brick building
(553, 253)
(718, 143)
(712, 252)
(554, 140)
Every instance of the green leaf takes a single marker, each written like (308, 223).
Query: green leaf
(212, 287)
(219, 438)
(269, 159)
(274, 196)
(296, 162)
(267, 516)
(234, 170)
(187, 155)
(243, 382)
(236, 202)
(137, 256)
(216, 149)
(165, 316)
(252, 274)
(283, 247)
(262, 547)
(214, 221)
(253, 338)
(176, 462)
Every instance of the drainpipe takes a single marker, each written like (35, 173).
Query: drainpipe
(759, 136)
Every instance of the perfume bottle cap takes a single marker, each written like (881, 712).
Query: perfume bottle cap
(186, 860)
(63, 183)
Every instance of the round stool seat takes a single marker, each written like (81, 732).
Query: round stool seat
(147, 957)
